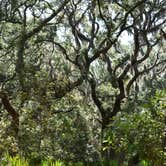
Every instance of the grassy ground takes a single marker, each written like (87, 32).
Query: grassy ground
(7, 160)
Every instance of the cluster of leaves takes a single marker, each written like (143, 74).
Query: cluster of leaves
(66, 74)
(141, 133)
(20, 161)
(41, 132)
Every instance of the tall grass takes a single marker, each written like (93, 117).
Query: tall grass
(7, 160)
(50, 162)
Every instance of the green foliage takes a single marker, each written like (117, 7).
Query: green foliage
(70, 69)
(20, 161)
(49, 162)
(14, 161)
(140, 132)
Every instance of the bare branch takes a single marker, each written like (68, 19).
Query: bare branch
(45, 21)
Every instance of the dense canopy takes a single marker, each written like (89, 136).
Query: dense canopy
(83, 80)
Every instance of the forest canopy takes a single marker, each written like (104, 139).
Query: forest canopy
(83, 80)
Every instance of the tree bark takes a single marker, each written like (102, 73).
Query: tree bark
(12, 112)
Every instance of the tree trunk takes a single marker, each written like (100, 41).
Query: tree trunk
(12, 112)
